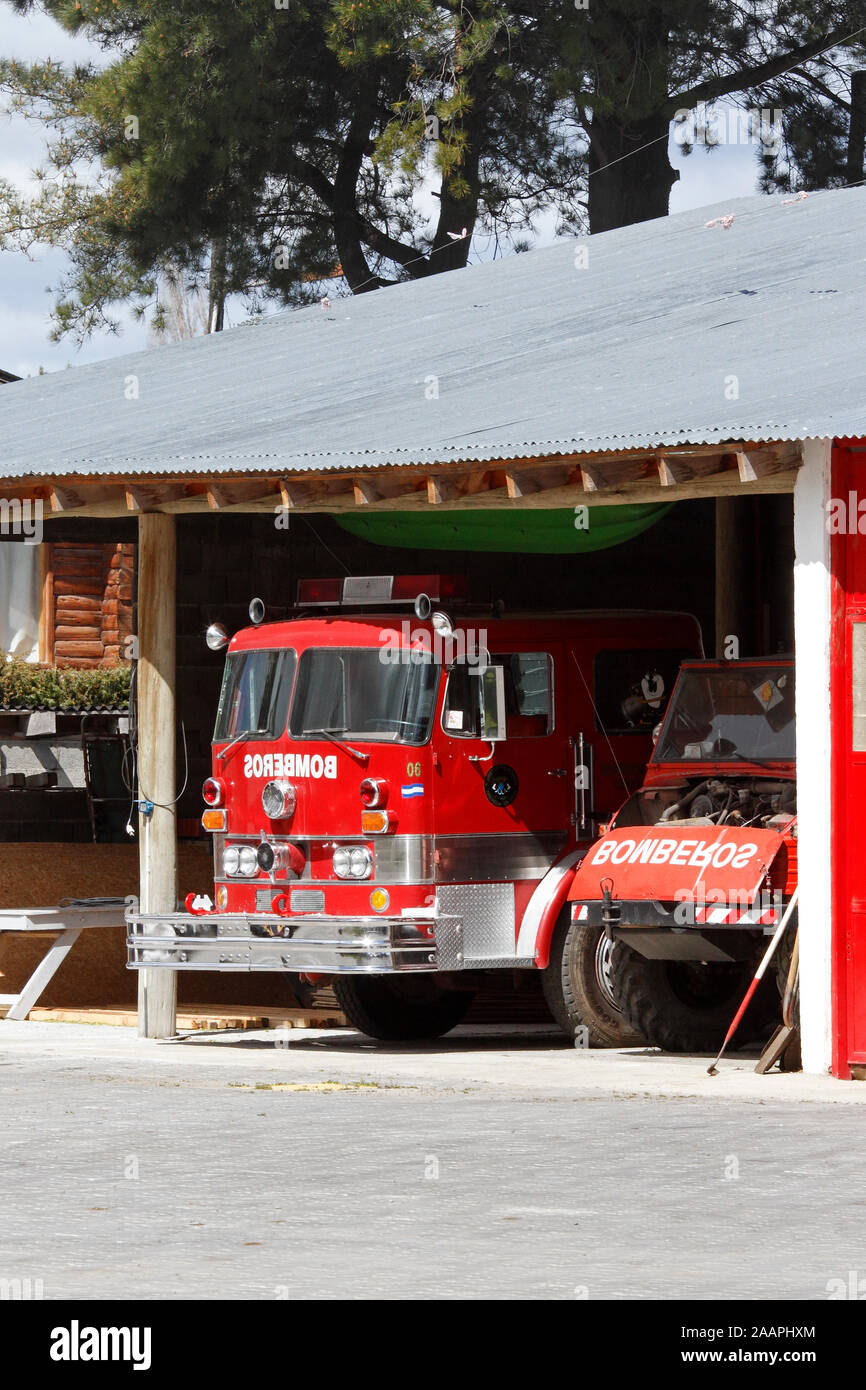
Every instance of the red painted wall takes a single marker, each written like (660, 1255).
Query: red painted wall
(848, 771)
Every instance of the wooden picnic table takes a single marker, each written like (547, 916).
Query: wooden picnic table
(65, 922)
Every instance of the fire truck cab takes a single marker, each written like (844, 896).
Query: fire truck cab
(402, 786)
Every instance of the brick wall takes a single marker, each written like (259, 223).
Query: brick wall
(89, 602)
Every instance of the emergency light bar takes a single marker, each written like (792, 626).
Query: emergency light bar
(363, 590)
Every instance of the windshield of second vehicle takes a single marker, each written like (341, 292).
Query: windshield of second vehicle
(351, 692)
(730, 716)
(255, 694)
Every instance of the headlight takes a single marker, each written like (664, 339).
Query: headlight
(362, 863)
(279, 800)
(248, 863)
(231, 860)
(353, 862)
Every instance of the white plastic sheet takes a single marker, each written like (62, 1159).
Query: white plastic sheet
(19, 599)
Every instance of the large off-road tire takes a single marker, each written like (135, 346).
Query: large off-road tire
(577, 986)
(683, 1006)
(400, 1007)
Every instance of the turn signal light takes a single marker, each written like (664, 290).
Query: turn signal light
(214, 820)
(375, 822)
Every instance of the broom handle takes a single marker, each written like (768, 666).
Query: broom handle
(758, 975)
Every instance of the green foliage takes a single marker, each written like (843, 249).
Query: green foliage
(305, 140)
(25, 686)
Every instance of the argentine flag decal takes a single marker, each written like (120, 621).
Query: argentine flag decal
(413, 789)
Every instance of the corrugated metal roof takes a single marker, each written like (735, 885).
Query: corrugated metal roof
(675, 332)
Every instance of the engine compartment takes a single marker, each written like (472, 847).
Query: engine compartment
(764, 802)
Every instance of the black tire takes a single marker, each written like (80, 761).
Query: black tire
(577, 987)
(400, 1007)
(682, 1006)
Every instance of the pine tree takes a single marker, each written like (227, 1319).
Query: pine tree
(264, 147)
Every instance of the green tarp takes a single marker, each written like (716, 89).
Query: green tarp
(537, 531)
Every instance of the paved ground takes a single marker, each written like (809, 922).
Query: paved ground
(488, 1165)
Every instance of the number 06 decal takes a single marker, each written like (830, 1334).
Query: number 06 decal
(413, 769)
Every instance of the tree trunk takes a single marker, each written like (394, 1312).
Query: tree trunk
(457, 216)
(857, 127)
(630, 175)
(217, 286)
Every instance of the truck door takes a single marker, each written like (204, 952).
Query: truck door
(629, 688)
(523, 783)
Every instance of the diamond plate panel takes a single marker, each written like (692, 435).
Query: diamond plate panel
(487, 914)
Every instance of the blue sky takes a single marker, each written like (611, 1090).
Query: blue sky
(26, 285)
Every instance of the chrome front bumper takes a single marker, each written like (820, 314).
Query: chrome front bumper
(323, 945)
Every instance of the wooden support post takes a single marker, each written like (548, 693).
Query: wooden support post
(46, 605)
(731, 549)
(155, 679)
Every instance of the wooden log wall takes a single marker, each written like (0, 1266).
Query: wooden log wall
(87, 599)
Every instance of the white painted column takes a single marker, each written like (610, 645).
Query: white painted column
(812, 614)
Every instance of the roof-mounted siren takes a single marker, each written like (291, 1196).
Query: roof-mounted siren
(418, 591)
(257, 611)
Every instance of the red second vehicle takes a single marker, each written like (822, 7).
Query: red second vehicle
(698, 865)
(398, 804)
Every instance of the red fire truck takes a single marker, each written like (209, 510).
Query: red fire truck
(698, 865)
(400, 796)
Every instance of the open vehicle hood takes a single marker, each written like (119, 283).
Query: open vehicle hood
(668, 862)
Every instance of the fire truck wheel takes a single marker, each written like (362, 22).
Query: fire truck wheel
(577, 986)
(681, 1006)
(400, 1007)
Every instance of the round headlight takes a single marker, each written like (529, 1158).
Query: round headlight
(361, 863)
(279, 800)
(247, 862)
(231, 860)
(216, 637)
(342, 863)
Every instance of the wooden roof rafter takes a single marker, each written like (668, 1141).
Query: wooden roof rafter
(659, 475)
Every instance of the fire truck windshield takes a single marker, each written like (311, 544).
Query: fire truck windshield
(255, 694)
(730, 715)
(353, 692)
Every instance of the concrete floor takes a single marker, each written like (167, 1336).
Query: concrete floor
(492, 1164)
